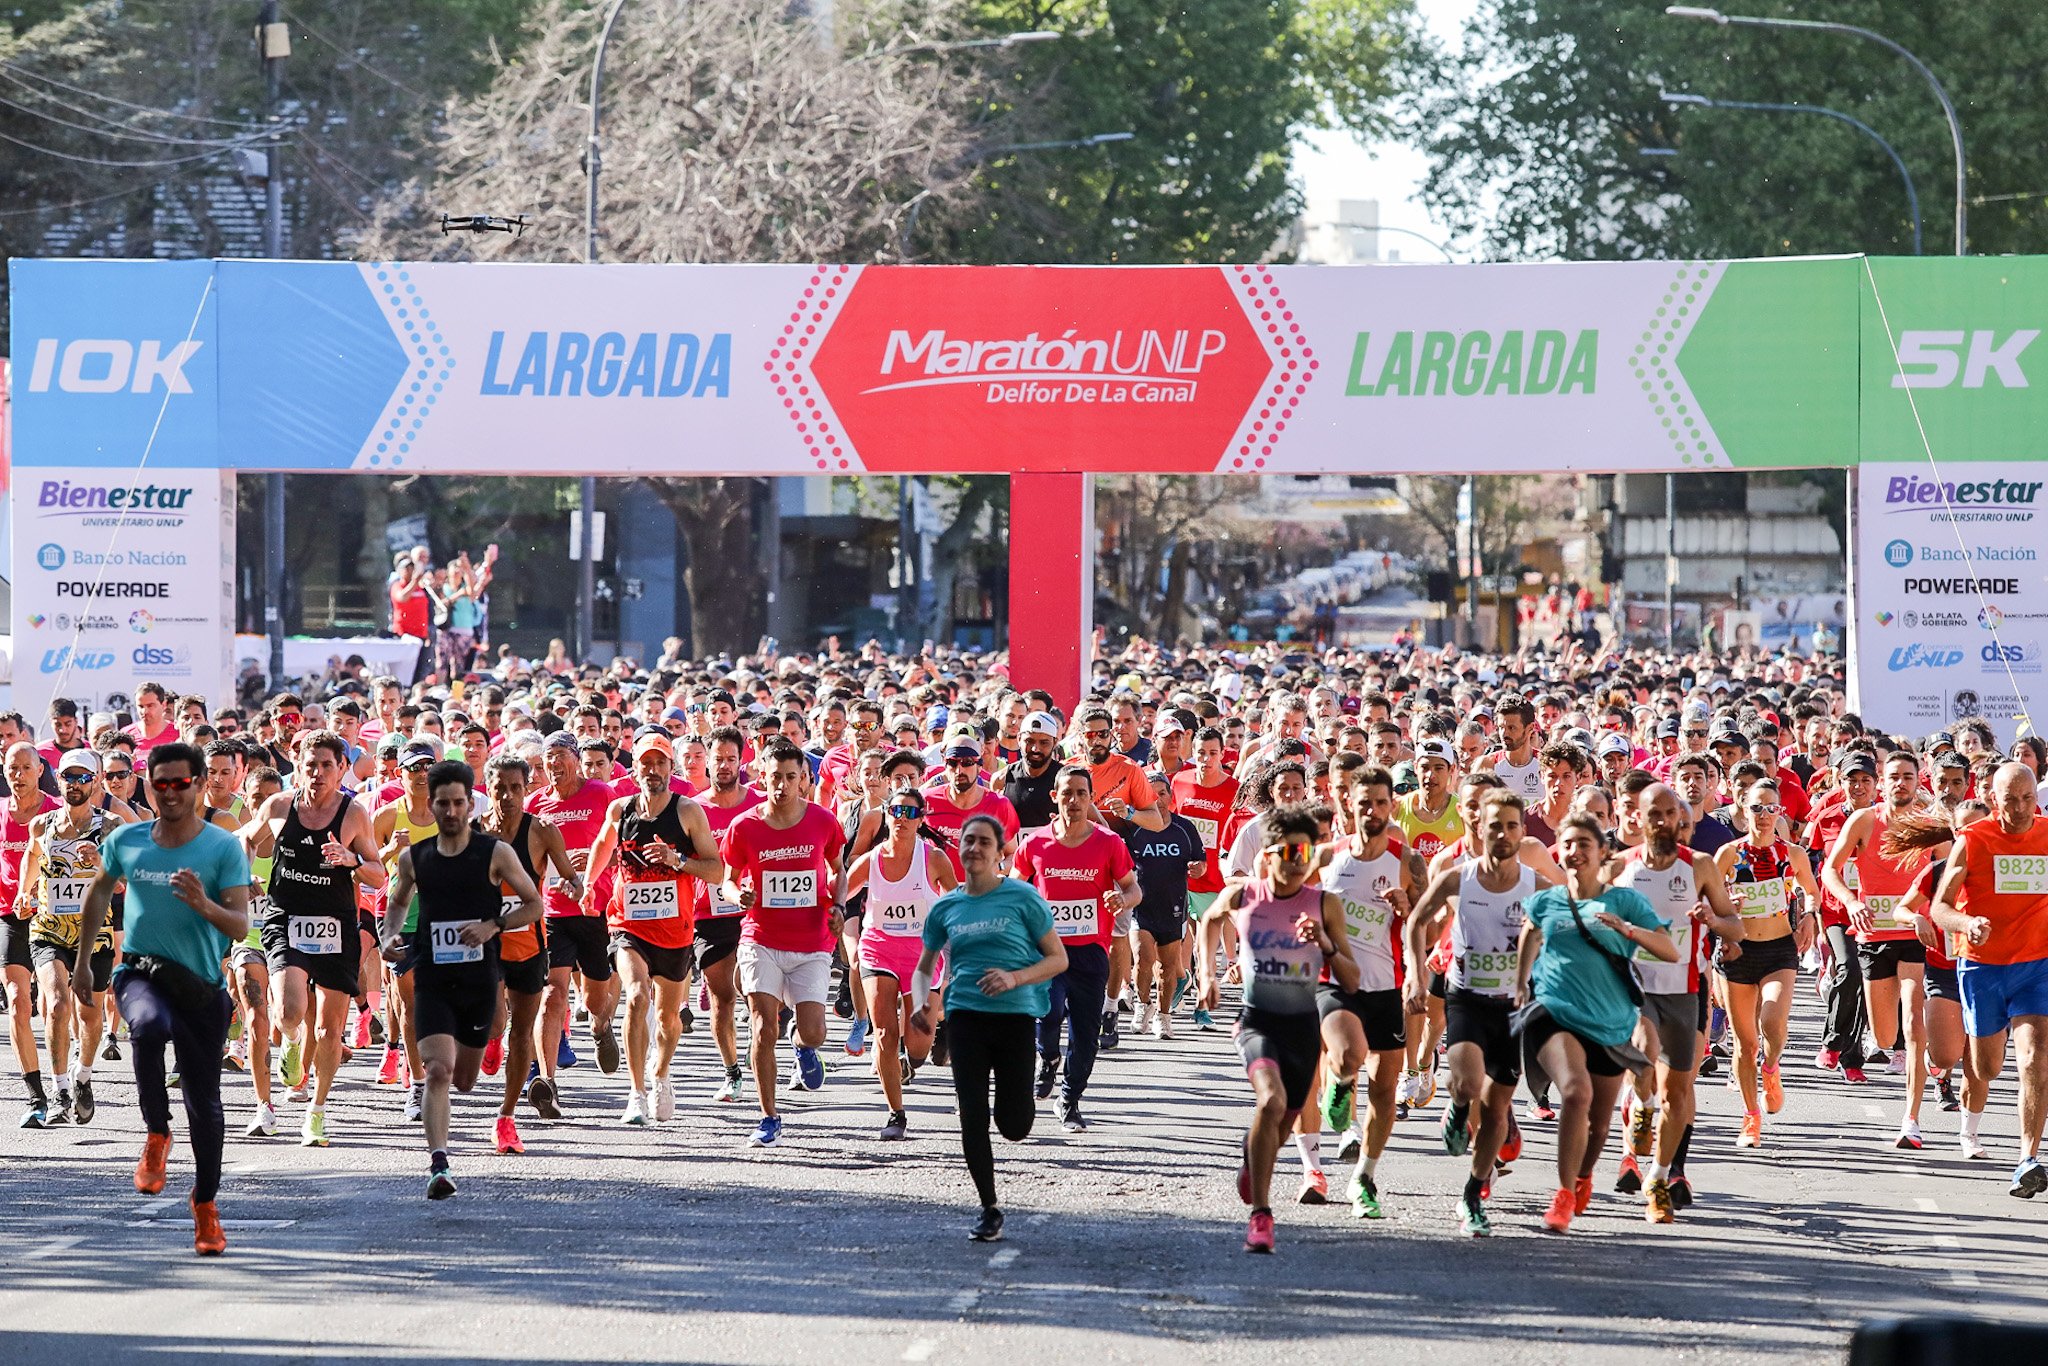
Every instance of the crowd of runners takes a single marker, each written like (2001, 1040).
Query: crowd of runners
(1428, 882)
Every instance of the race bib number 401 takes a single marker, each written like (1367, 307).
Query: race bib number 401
(1077, 919)
(446, 941)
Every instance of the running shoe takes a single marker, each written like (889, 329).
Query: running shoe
(583, 1012)
(1710, 1066)
(1425, 1089)
(1338, 1105)
(1542, 1109)
(1204, 1021)
(636, 1110)
(1971, 1148)
(387, 1072)
(785, 1020)
(1947, 1089)
(941, 1054)
(1563, 1205)
(1897, 1065)
(313, 1134)
(1752, 1135)
(1582, 1195)
(662, 1100)
(1774, 1089)
(1909, 1136)
(1877, 1058)
(1854, 1075)
(857, 1039)
(1349, 1146)
(1162, 1028)
(208, 1239)
(507, 1137)
(1457, 1140)
(810, 1068)
(110, 1051)
(300, 1094)
(291, 1064)
(362, 1029)
(2029, 1179)
(1315, 1188)
(607, 1051)
(265, 1123)
(1258, 1234)
(1640, 1120)
(730, 1090)
(83, 1108)
(842, 999)
(686, 1021)
(149, 1169)
(376, 1029)
(895, 1126)
(565, 1056)
(1146, 1016)
(416, 1102)
(989, 1227)
(236, 1059)
(1511, 1146)
(494, 1056)
(1048, 1076)
(60, 1107)
(1109, 1038)
(1657, 1209)
(1681, 1191)
(1472, 1219)
(440, 1184)
(767, 1133)
(1070, 1118)
(1400, 1110)
(1365, 1198)
(1630, 1179)
(541, 1095)
(1827, 1060)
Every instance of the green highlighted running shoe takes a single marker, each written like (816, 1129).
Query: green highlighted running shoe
(1338, 1105)
(1472, 1219)
(1365, 1198)
(291, 1064)
(1457, 1140)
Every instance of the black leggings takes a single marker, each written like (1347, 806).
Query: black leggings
(197, 1038)
(1844, 1021)
(989, 1045)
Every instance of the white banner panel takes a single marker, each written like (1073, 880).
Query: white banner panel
(1953, 621)
(118, 579)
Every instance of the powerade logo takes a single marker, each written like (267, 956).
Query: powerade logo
(1469, 363)
(1917, 656)
(111, 366)
(50, 556)
(574, 364)
(1898, 554)
(79, 661)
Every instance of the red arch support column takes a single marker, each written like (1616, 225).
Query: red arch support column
(1052, 582)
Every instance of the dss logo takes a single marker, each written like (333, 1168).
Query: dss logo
(1898, 554)
(157, 657)
(50, 556)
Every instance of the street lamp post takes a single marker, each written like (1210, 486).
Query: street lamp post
(1912, 196)
(593, 160)
(1948, 109)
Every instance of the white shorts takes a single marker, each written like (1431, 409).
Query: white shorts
(792, 977)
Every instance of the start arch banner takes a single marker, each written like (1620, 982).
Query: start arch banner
(140, 381)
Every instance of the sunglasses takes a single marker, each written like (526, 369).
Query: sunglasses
(289, 718)
(119, 775)
(907, 813)
(1294, 851)
(227, 727)
(963, 763)
(1695, 735)
(1765, 808)
(172, 784)
(76, 778)
(1095, 735)
(865, 727)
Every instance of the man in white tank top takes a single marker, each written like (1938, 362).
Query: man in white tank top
(1515, 763)
(1485, 896)
(1685, 889)
(1374, 878)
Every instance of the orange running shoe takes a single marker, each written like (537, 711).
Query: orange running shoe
(1582, 1195)
(1752, 1135)
(149, 1172)
(207, 1238)
(1657, 1208)
(1511, 1146)
(1774, 1090)
(1558, 1218)
(508, 1136)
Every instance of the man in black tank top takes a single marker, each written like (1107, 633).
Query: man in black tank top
(320, 844)
(454, 946)
(1030, 783)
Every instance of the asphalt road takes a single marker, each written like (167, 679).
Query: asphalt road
(676, 1243)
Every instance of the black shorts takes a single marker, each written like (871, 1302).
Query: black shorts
(1544, 1028)
(1942, 985)
(1438, 986)
(1483, 1020)
(578, 941)
(100, 963)
(718, 938)
(370, 923)
(340, 972)
(1385, 1022)
(1761, 958)
(1168, 925)
(1293, 1043)
(528, 976)
(671, 965)
(463, 1010)
(1880, 961)
(14, 943)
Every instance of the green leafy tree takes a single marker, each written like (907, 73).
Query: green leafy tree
(1538, 127)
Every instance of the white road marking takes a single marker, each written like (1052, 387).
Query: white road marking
(1005, 1257)
(1927, 1206)
(1949, 1241)
(963, 1302)
(920, 1350)
(155, 1206)
(52, 1248)
(1964, 1278)
(1874, 1111)
(246, 1225)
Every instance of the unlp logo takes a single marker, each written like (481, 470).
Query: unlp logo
(111, 365)
(83, 661)
(1918, 656)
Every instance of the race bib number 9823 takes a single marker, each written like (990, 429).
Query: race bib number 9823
(2020, 874)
